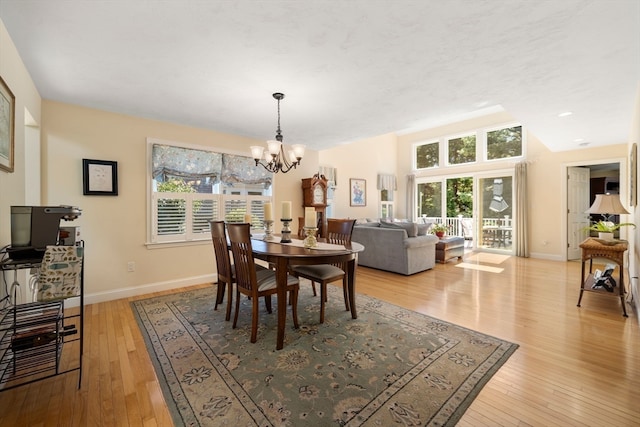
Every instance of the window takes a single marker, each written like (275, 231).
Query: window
(190, 187)
(504, 143)
(428, 155)
(462, 150)
(387, 185)
(430, 199)
(386, 204)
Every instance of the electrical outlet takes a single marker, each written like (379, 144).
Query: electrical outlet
(131, 266)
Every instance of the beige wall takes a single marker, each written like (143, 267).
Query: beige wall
(634, 238)
(17, 78)
(115, 228)
(363, 159)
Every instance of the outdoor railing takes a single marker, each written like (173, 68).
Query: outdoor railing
(457, 228)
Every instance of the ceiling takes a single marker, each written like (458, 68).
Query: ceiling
(349, 69)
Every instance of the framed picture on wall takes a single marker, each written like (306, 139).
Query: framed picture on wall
(7, 126)
(358, 192)
(100, 177)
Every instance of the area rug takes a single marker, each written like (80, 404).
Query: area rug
(391, 366)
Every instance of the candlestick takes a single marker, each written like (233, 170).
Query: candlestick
(268, 230)
(247, 218)
(310, 241)
(286, 231)
(268, 212)
(310, 218)
(286, 210)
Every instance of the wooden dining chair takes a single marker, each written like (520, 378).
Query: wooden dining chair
(253, 282)
(224, 267)
(338, 232)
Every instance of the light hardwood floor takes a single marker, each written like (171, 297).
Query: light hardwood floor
(575, 366)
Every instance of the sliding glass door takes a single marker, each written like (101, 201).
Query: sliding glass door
(448, 201)
(478, 208)
(495, 213)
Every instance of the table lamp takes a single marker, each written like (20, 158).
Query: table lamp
(607, 205)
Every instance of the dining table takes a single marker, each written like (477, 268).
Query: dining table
(285, 255)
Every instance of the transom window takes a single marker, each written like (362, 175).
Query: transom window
(462, 150)
(494, 144)
(504, 143)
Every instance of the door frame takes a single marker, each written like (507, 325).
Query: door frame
(624, 193)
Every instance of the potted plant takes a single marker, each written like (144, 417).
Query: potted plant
(605, 229)
(439, 229)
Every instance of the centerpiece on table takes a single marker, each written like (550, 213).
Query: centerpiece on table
(605, 229)
(439, 229)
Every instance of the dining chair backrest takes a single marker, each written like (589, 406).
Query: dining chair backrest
(240, 238)
(223, 260)
(339, 230)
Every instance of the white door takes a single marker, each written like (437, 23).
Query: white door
(577, 204)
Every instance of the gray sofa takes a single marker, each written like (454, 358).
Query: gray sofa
(389, 247)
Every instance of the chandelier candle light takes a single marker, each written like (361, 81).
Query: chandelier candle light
(275, 158)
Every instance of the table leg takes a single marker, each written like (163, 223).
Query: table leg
(621, 291)
(282, 265)
(351, 284)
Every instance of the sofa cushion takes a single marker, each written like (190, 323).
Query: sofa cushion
(409, 227)
(423, 229)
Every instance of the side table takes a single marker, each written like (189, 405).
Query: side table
(612, 251)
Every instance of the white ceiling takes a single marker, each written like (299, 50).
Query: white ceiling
(349, 69)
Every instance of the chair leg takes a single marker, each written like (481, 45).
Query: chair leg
(267, 303)
(229, 302)
(235, 316)
(294, 307)
(219, 294)
(345, 293)
(323, 294)
(313, 286)
(254, 320)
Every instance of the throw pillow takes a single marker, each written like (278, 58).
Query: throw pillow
(409, 227)
(423, 229)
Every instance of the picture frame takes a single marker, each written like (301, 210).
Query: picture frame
(99, 177)
(7, 127)
(633, 175)
(357, 192)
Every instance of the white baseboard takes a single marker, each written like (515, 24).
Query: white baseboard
(549, 257)
(93, 298)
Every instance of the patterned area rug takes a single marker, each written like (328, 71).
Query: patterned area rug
(390, 366)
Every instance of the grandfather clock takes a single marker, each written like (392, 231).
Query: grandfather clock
(314, 194)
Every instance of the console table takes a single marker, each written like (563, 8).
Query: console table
(612, 251)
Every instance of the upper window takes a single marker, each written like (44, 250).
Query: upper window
(462, 150)
(190, 187)
(427, 155)
(504, 143)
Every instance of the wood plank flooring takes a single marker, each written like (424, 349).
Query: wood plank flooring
(575, 366)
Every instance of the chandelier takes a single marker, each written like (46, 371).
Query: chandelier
(275, 159)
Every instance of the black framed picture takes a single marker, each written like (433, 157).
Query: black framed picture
(100, 177)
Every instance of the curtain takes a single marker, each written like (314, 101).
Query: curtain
(331, 174)
(244, 170)
(522, 204)
(169, 161)
(411, 197)
(387, 182)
